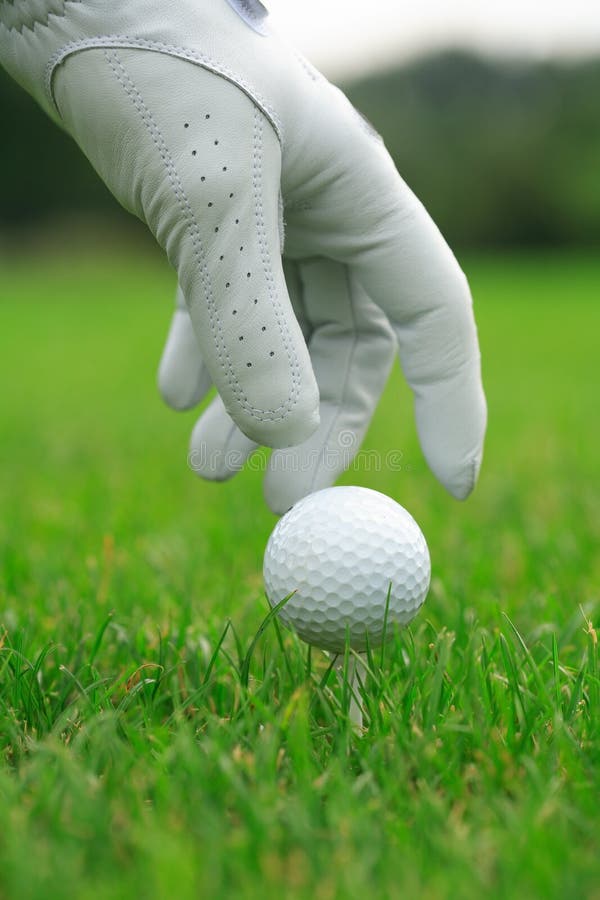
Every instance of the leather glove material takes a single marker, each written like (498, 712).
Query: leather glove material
(304, 261)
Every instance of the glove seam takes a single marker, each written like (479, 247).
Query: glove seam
(126, 42)
(131, 91)
(310, 70)
(294, 363)
(144, 112)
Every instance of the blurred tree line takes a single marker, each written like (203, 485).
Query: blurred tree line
(502, 154)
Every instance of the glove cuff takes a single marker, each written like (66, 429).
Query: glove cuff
(36, 36)
(31, 31)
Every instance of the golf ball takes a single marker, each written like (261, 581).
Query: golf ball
(339, 552)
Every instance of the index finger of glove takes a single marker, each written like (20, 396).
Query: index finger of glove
(201, 165)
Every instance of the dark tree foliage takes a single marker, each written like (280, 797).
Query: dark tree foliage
(44, 174)
(502, 154)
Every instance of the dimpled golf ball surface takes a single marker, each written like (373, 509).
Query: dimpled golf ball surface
(338, 551)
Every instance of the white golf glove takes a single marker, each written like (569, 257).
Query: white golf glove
(214, 131)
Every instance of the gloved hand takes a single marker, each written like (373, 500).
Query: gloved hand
(213, 131)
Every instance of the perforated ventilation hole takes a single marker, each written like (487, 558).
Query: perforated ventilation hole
(227, 285)
(264, 328)
(249, 365)
(234, 312)
(248, 274)
(255, 300)
(194, 153)
(207, 116)
(209, 205)
(203, 178)
(241, 337)
(216, 143)
(237, 221)
(224, 168)
(186, 125)
(241, 249)
(216, 229)
(272, 353)
(230, 196)
(221, 258)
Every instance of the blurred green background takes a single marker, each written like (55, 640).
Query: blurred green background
(480, 772)
(501, 153)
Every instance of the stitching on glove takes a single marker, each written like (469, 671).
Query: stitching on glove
(20, 17)
(132, 92)
(124, 42)
(160, 144)
(264, 254)
(312, 73)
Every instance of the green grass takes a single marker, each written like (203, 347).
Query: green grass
(151, 748)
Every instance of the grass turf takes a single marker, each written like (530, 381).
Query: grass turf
(151, 747)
